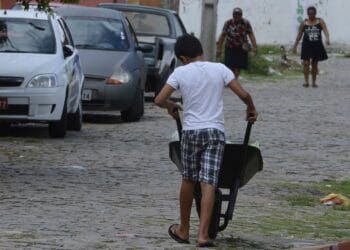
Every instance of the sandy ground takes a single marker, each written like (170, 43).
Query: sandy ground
(113, 186)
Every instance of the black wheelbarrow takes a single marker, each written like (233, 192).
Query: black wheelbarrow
(240, 163)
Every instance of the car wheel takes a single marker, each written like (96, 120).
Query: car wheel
(75, 120)
(57, 129)
(4, 128)
(135, 112)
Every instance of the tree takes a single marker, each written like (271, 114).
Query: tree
(44, 4)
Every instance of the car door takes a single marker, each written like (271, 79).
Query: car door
(139, 54)
(72, 67)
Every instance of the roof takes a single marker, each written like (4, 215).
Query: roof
(135, 7)
(42, 15)
(87, 11)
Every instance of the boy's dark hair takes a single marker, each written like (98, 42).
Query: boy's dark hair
(189, 46)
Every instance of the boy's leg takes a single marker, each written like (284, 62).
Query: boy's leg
(211, 160)
(186, 200)
(207, 204)
(189, 159)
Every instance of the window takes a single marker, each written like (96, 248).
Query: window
(179, 27)
(97, 33)
(26, 35)
(148, 23)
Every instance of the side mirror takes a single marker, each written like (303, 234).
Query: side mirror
(145, 48)
(68, 50)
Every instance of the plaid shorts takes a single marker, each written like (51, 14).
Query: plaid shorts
(201, 154)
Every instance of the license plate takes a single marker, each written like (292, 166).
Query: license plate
(3, 103)
(87, 95)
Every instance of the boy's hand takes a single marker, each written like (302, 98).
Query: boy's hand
(252, 115)
(173, 109)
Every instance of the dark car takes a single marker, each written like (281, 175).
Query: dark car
(157, 27)
(112, 60)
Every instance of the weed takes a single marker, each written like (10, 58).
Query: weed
(270, 61)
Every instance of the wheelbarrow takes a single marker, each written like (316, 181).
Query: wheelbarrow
(240, 163)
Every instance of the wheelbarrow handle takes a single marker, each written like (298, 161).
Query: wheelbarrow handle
(179, 127)
(247, 133)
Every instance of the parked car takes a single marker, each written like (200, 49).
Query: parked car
(40, 75)
(157, 27)
(112, 60)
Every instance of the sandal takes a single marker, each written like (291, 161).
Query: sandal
(305, 85)
(172, 233)
(314, 85)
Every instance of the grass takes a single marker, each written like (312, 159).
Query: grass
(270, 62)
(302, 215)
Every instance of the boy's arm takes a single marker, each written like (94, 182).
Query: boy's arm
(162, 100)
(237, 88)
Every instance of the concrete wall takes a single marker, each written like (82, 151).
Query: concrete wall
(273, 21)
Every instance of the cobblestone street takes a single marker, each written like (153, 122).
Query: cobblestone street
(113, 186)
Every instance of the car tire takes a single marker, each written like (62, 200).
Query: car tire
(4, 128)
(136, 110)
(57, 129)
(75, 120)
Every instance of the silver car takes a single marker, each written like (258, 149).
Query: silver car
(113, 63)
(40, 75)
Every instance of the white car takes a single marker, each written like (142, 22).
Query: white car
(40, 75)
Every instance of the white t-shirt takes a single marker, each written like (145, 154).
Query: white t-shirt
(202, 85)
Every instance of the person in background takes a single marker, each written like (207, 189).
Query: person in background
(202, 85)
(312, 49)
(235, 34)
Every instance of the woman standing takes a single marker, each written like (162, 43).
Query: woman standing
(312, 50)
(235, 33)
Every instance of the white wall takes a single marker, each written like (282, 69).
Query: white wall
(274, 21)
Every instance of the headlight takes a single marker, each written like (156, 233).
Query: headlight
(43, 81)
(119, 76)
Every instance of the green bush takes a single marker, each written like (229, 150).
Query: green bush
(258, 65)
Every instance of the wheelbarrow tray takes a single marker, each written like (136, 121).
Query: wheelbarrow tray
(232, 167)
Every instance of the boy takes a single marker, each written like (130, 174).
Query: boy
(202, 86)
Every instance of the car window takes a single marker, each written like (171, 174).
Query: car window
(132, 32)
(179, 27)
(149, 24)
(97, 33)
(26, 36)
(66, 34)
(63, 35)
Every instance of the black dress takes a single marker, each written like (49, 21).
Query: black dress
(312, 46)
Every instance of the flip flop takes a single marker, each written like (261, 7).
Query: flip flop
(314, 85)
(172, 233)
(305, 85)
(209, 243)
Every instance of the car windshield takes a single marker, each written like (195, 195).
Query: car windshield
(26, 36)
(97, 33)
(149, 24)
